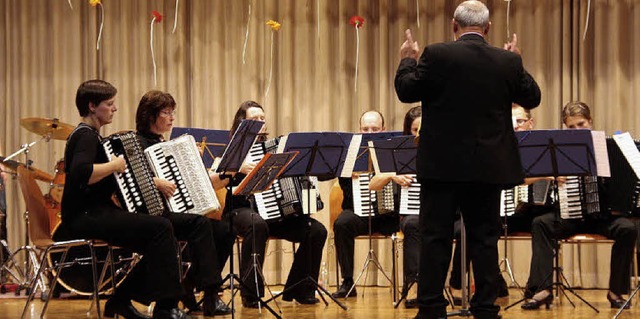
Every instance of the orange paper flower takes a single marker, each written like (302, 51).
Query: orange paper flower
(356, 21)
(275, 25)
(94, 3)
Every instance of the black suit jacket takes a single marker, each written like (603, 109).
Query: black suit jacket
(466, 88)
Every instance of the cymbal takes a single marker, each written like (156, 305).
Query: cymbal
(37, 173)
(47, 127)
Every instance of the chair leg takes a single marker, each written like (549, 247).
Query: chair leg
(394, 268)
(94, 275)
(59, 267)
(33, 286)
(335, 255)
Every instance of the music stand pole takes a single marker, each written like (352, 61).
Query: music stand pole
(464, 308)
(505, 258)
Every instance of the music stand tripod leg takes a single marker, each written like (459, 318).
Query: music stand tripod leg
(464, 308)
(371, 257)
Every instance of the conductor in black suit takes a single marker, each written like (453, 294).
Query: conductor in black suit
(467, 151)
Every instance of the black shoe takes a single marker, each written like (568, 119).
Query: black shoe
(533, 304)
(190, 303)
(344, 289)
(411, 303)
(213, 306)
(250, 303)
(174, 313)
(617, 303)
(123, 308)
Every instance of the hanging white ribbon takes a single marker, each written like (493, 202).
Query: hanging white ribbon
(418, 13)
(246, 36)
(586, 22)
(508, 20)
(355, 80)
(153, 55)
(70, 5)
(101, 26)
(318, 19)
(266, 92)
(175, 17)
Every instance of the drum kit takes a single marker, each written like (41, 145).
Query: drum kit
(77, 279)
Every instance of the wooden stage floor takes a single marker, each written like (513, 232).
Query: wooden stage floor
(377, 303)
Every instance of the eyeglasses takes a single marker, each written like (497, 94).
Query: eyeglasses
(168, 113)
(522, 121)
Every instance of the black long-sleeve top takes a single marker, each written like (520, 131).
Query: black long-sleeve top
(84, 149)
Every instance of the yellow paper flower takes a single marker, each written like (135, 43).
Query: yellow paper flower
(94, 3)
(275, 25)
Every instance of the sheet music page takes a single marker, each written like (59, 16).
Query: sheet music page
(601, 154)
(629, 150)
(282, 143)
(352, 154)
(374, 158)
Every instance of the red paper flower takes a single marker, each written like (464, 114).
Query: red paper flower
(356, 21)
(157, 15)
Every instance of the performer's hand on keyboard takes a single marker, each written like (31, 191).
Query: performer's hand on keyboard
(118, 164)
(165, 187)
(402, 180)
(247, 167)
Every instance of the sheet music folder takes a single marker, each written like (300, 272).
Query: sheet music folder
(396, 155)
(264, 174)
(322, 154)
(239, 146)
(558, 153)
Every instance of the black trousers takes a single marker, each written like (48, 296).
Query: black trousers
(348, 226)
(206, 254)
(479, 205)
(155, 277)
(547, 228)
(255, 232)
(410, 227)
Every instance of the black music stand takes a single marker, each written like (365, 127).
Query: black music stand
(557, 153)
(259, 180)
(320, 154)
(623, 177)
(231, 161)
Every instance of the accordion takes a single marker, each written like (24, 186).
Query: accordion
(410, 198)
(179, 161)
(367, 202)
(623, 188)
(579, 198)
(513, 200)
(137, 191)
(287, 196)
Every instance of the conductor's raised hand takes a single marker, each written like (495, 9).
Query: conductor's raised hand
(410, 48)
(513, 45)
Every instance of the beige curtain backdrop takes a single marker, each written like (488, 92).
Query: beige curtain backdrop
(48, 49)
